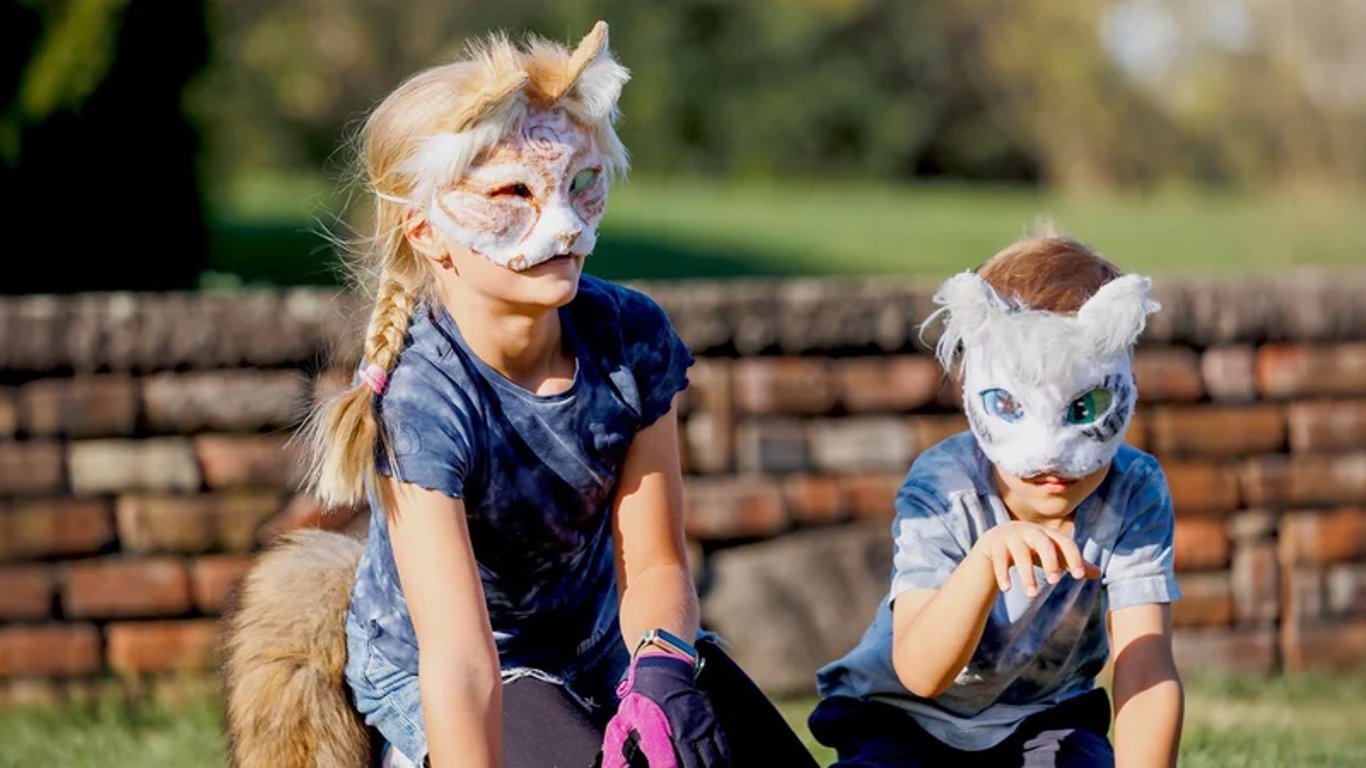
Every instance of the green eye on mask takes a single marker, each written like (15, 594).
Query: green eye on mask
(582, 179)
(1089, 407)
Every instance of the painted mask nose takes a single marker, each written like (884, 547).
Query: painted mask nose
(566, 241)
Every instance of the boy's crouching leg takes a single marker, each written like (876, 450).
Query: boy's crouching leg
(284, 653)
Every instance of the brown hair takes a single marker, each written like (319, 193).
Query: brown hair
(1049, 273)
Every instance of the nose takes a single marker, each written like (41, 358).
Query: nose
(568, 237)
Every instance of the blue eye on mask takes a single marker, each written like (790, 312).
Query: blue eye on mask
(1002, 404)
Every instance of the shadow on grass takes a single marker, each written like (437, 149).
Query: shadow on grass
(290, 253)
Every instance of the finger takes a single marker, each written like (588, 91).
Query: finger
(1071, 554)
(1024, 566)
(614, 743)
(1000, 563)
(1047, 552)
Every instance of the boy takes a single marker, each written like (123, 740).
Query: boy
(1018, 542)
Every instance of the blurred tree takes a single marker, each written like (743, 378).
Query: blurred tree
(99, 162)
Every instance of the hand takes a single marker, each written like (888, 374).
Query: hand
(673, 725)
(1022, 545)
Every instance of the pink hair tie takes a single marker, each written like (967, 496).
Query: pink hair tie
(375, 377)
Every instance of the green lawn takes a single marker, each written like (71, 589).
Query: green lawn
(690, 228)
(1245, 722)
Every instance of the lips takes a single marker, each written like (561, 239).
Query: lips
(1050, 482)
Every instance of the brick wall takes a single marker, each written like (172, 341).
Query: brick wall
(144, 457)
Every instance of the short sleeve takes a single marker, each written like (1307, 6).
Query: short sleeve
(658, 357)
(427, 431)
(925, 551)
(1141, 568)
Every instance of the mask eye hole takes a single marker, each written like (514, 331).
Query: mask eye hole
(1002, 404)
(1089, 407)
(513, 190)
(581, 180)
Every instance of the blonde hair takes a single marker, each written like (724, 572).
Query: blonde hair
(429, 130)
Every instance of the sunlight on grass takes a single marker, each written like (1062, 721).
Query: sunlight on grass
(1230, 721)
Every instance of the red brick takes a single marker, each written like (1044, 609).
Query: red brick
(709, 431)
(163, 646)
(1137, 433)
(118, 587)
(256, 460)
(1206, 601)
(86, 406)
(165, 523)
(61, 650)
(783, 385)
(771, 446)
(860, 444)
(30, 467)
(239, 515)
(1318, 538)
(1329, 646)
(872, 496)
(734, 508)
(1201, 488)
(237, 401)
(1304, 480)
(305, 511)
(1217, 431)
(111, 466)
(54, 528)
(931, 430)
(1325, 426)
(1256, 583)
(889, 384)
(213, 578)
(1294, 370)
(814, 499)
(9, 412)
(1346, 590)
(1201, 544)
(1170, 374)
(1230, 373)
(1241, 650)
(26, 592)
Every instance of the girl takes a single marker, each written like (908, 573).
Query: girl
(523, 598)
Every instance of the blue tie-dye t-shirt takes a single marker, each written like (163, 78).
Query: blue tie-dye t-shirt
(537, 475)
(1035, 652)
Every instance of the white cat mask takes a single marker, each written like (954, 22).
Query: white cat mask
(1044, 392)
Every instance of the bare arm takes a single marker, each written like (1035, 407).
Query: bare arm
(1149, 698)
(935, 631)
(459, 672)
(647, 519)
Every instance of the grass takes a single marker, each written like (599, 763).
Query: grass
(1231, 721)
(683, 228)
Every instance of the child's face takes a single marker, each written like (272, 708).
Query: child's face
(1046, 497)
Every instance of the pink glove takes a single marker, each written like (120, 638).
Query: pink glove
(673, 724)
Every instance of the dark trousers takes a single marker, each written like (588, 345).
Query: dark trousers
(544, 727)
(870, 734)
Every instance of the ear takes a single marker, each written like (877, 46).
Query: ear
(594, 76)
(422, 236)
(968, 305)
(1115, 316)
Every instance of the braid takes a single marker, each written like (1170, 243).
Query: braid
(344, 430)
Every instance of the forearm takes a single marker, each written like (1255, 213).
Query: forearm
(660, 596)
(1148, 720)
(462, 707)
(942, 636)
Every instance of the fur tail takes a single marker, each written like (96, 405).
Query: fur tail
(287, 703)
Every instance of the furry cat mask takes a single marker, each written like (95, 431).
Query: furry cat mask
(1045, 392)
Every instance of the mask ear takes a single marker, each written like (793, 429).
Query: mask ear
(968, 307)
(1115, 316)
(596, 77)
